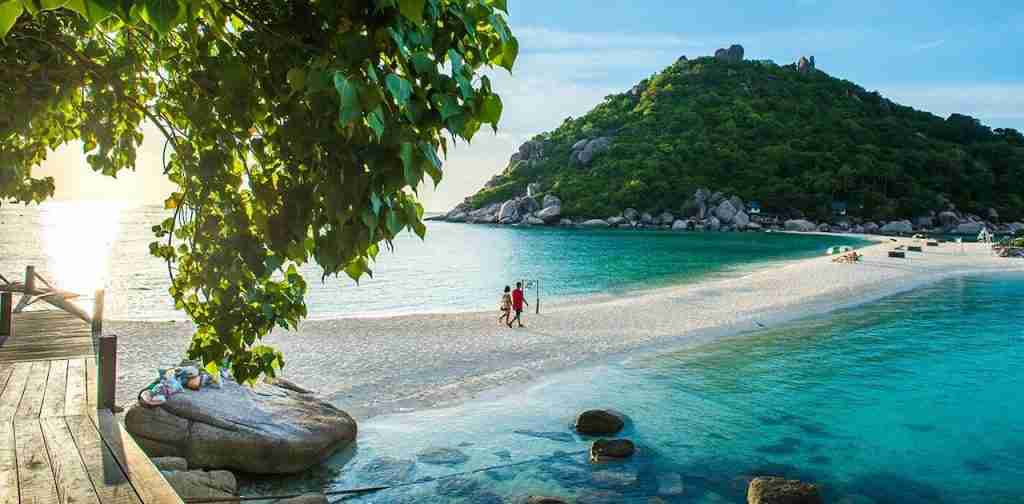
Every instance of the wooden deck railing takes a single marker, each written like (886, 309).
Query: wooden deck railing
(105, 344)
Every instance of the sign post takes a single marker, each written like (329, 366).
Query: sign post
(535, 284)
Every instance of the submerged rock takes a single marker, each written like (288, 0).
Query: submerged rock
(442, 456)
(387, 471)
(599, 423)
(267, 429)
(603, 449)
(202, 484)
(773, 490)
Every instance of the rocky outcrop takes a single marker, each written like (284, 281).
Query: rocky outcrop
(595, 223)
(631, 214)
(969, 228)
(266, 429)
(529, 152)
(517, 210)
(599, 423)
(1014, 227)
(666, 219)
(725, 211)
(805, 65)
(948, 219)
(680, 225)
(870, 228)
(733, 54)
(772, 490)
(741, 220)
(551, 214)
(484, 215)
(897, 227)
(584, 151)
(800, 225)
(617, 220)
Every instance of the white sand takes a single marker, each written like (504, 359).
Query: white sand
(372, 366)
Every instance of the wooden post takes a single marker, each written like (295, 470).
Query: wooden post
(6, 315)
(30, 280)
(106, 363)
(538, 296)
(97, 314)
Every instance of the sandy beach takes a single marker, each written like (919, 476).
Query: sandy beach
(372, 366)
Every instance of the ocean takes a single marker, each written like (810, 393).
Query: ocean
(913, 399)
(458, 268)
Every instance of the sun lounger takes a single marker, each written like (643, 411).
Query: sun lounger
(933, 244)
(915, 248)
(899, 254)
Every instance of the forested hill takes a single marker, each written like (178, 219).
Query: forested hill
(791, 137)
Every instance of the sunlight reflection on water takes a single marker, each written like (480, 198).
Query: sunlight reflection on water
(77, 239)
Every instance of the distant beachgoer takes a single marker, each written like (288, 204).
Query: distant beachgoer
(518, 299)
(506, 307)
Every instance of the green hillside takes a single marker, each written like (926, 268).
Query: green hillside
(791, 137)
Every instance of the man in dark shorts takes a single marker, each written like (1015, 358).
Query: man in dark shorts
(518, 299)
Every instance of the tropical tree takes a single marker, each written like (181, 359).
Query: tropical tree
(296, 132)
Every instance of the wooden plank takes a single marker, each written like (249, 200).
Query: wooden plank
(5, 374)
(15, 388)
(90, 383)
(35, 475)
(56, 389)
(144, 476)
(110, 482)
(75, 396)
(8, 465)
(72, 480)
(32, 399)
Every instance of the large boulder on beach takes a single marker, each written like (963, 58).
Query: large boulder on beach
(725, 211)
(631, 214)
(599, 423)
(898, 227)
(550, 214)
(741, 220)
(870, 228)
(595, 223)
(550, 200)
(666, 219)
(800, 225)
(948, 218)
(266, 429)
(772, 490)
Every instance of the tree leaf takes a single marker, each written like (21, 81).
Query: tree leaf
(350, 109)
(412, 9)
(161, 14)
(9, 12)
(297, 79)
(509, 53)
(447, 105)
(407, 153)
(399, 88)
(490, 110)
(94, 12)
(376, 122)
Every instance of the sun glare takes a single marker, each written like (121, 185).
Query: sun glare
(78, 240)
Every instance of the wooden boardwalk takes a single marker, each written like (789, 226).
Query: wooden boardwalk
(55, 445)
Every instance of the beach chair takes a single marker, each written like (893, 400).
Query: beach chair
(898, 254)
(915, 248)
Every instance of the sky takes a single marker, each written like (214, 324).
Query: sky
(939, 56)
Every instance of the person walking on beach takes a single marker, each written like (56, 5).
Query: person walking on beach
(506, 307)
(518, 299)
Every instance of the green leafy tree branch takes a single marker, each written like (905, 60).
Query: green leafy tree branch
(296, 132)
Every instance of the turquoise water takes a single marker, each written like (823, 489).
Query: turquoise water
(913, 399)
(458, 268)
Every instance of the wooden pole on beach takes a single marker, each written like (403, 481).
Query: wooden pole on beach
(6, 315)
(106, 363)
(97, 314)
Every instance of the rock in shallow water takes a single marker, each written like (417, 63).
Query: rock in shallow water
(772, 490)
(604, 449)
(266, 429)
(387, 471)
(442, 456)
(202, 484)
(599, 423)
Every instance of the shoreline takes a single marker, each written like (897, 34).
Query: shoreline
(378, 366)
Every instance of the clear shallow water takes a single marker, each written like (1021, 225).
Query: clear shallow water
(912, 399)
(458, 267)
